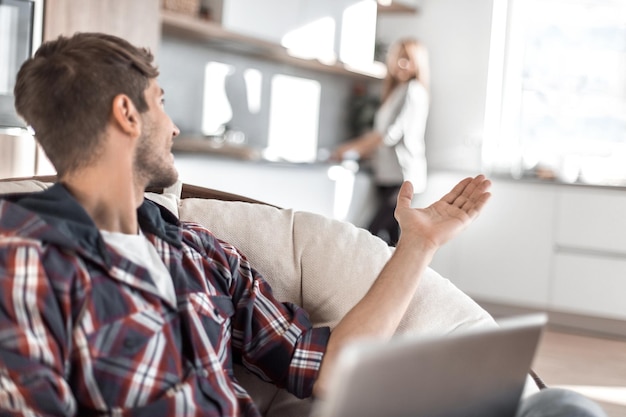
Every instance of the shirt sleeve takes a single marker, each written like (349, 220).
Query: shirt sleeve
(410, 122)
(278, 339)
(273, 339)
(31, 332)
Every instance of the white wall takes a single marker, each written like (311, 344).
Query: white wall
(457, 34)
(17, 153)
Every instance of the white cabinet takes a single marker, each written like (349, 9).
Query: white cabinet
(590, 252)
(589, 284)
(591, 219)
(560, 248)
(505, 254)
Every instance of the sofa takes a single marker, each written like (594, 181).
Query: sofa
(322, 264)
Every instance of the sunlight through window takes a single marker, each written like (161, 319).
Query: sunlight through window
(8, 47)
(358, 34)
(313, 40)
(343, 176)
(217, 110)
(294, 119)
(254, 83)
(563, 90)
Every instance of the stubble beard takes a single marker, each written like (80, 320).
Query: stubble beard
(152, 165)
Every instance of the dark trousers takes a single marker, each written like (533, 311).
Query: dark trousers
(384, 224)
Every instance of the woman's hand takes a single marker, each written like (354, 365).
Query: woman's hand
(361, 147)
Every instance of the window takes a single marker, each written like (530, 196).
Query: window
(294, 119)
(292, 132)
(557, 90)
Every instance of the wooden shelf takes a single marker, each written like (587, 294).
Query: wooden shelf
(396, 7)
(206, 146)
(214, 35)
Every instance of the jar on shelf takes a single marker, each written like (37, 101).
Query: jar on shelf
(190, 7)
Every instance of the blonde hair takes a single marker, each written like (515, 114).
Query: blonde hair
(417, 53)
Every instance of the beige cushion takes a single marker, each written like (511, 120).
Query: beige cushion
(24, 186)
(335, 262)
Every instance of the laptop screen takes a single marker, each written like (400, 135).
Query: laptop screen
(478, 373)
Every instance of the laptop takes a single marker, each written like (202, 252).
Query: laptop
(477, 373)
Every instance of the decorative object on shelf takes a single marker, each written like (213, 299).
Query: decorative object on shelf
(362, 109)
(211, 10)
(190, 7)
(205, 13)
(380, 51)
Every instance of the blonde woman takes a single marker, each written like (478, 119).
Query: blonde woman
(395, 145)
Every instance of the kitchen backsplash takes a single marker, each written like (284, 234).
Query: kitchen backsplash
(243, 94)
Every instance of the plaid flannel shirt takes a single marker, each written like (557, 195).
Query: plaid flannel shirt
(84, 331)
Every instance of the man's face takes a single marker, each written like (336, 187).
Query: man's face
(154, 160)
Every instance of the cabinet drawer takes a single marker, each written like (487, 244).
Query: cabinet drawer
(505, 255)
(591, 219)
(588, 284)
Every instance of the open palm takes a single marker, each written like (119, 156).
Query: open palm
(444, 219)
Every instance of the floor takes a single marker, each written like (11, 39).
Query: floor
(593, 366)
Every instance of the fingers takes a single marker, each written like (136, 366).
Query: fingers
(476, 204)
(458, 189)
(470, 194)
(405, 195)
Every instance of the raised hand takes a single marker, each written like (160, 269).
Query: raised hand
(437, 224)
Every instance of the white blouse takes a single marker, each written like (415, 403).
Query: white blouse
(401, 120)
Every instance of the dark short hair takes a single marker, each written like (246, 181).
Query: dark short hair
(65, 91)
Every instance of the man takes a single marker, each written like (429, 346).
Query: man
(109, 305)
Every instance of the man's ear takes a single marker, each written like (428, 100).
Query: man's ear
(125, 115)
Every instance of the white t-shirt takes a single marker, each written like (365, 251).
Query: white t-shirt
(138, 249)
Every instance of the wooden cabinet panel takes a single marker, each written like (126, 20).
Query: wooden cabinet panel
(137, 21)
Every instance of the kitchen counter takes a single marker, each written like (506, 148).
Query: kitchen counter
(332, 190)
(205, 146)
(532, 178)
